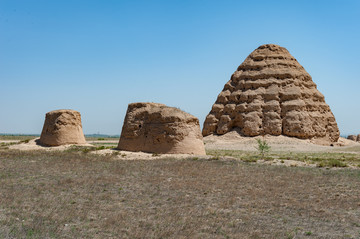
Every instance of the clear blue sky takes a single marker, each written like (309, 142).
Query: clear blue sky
(98, 56)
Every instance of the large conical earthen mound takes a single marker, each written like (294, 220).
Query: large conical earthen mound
(157, 128)
(271, 93)
(62, 127)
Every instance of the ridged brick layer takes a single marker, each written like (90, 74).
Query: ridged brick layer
(271, 93)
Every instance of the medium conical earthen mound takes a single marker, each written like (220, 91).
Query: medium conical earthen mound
(157, 128)
(62, 127)
(271, 93)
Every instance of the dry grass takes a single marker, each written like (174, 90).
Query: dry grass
(76, 195)
(102, 138)
(17, 137)
(321, 159)
(29, 137)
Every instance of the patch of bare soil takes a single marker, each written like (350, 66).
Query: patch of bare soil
(124, 155)
(53, 194)
(34, 145)
(233, 141)
(127, 155)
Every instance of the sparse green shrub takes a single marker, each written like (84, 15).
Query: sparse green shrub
(263, 147)
(83, 149)
(100, 139)
(336, 163)
(290, 235)
(87, 150)
(217, 157)
(331, 163)
(250, 160)
(5, 145)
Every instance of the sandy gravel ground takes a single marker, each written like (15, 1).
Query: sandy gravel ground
(230, 141)
(33, 145)
(233, 141)
(125, 155)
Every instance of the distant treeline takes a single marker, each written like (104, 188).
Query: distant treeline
(20, 134)
(102, 136)
(86, 135)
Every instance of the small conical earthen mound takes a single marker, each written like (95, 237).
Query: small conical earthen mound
(62, 127)
(271, 93)
(157, 128)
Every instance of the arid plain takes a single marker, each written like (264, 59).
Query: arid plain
(300, 190)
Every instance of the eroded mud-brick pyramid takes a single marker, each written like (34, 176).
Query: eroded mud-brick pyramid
(62, 127)
(157, 128)
(271, 93)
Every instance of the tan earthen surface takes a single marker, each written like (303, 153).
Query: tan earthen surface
(157, 128)
(352, 137)
(62, 127)
(271, 93)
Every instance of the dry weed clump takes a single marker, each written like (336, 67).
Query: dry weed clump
(76, 195)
